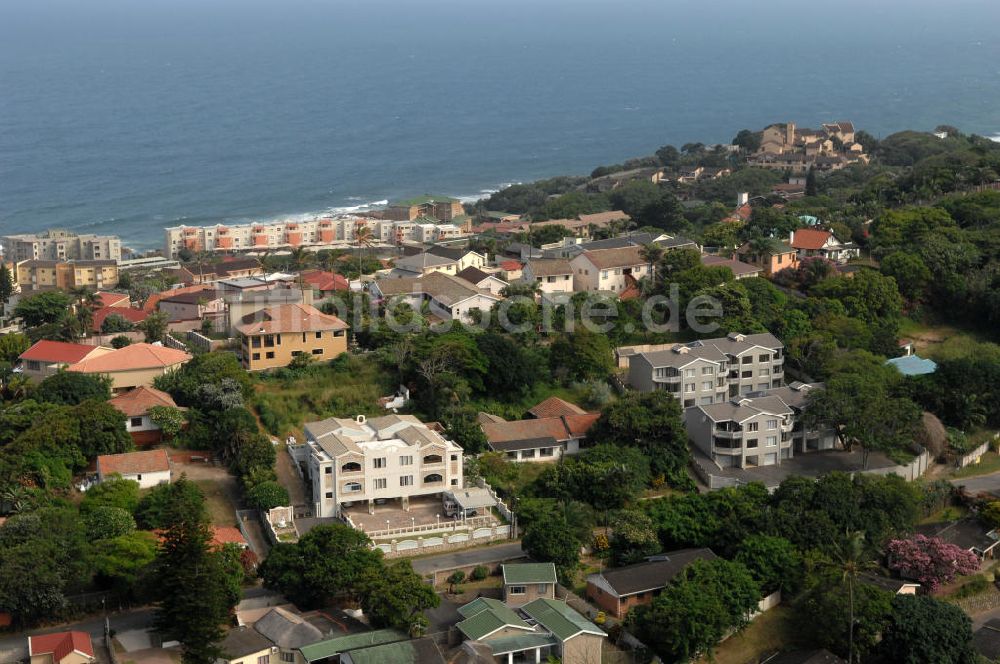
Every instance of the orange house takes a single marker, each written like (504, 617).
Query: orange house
(772, 258)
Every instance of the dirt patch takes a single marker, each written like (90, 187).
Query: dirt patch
(289, 478)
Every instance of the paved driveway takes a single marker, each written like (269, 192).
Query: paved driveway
(981, 484)
(483, 556)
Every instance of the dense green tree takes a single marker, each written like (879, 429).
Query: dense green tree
(6, 284)
(170, 420)
(73, 387)
(106, 522)
(154, 327)
(910, 273)
(774, 562)
(204, 369)
(824, 617)
(112, 492)
(102, 429)
(397, 598)
(125, 562)
(925, 629)
(633, 537)
(120, 341)
(44, 308)
(333, 561)
(696, 609)
(12, 345)
(748, 141)
(114, 323)
(582, 354)
(554, 541)
(268, 495)
(512, 369)
(159, 507)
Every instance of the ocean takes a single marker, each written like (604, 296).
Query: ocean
(124, 117)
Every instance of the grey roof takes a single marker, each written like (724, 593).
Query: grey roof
(243, 641)
(473, 275)
(714, 350)
(967, 534)
(795, 395)
(286, 629)
(420, 262)
(739, 268)
(453, 253)
(547, 267)
(324, 432)
(656, 572)
(886, 583)
(743, 408)
(443, 288)
(473, 498)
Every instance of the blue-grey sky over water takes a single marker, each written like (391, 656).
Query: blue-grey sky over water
(125, 116)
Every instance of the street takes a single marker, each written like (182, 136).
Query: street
(981, 484)
(483, 556)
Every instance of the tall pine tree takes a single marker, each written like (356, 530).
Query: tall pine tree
(194, 596)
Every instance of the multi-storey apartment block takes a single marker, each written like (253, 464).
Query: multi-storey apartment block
(273, 336)
(320, 232)
(395, 457)
(58, 245)
(38, 274)
(443, 208)
(710, 371)
(761, 429)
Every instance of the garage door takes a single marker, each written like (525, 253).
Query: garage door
(770, 459)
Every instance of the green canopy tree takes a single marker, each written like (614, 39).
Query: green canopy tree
(48, 307)
(925, 629)
(72, 387)
(397, 597)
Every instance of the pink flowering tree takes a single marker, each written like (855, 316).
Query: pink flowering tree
(930, 560)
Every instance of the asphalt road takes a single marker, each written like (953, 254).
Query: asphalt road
(492, 554)
(983, 483)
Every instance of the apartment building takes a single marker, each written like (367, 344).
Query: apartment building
(273, 336)
(709, 371)
(320, 232)
(759, 429)
(442, 208)
(60, 245)
(396, 457)
(39, 274)
(612, 270)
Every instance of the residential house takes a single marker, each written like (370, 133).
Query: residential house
(805, 439)
(274, 336)
(894, 586)
(422, 264)
(60, 245)
(743, 433)
(739, 269)
(511, 270)
(770, 255)
(135, 405)
(288, 632)
(601, 220)
(553, 275)
(148, 468)
(613, 181)
(534, 631)
(618, 589)
(967, 534)
(61, 648)
(329, 650)
(40, 275)
(205, 304)
(236, 267)
(709, 371)
(324, 283)
(447, 297)
(128, 314)
(414, 651)
(107, 299)
(394, 457)
(245, 645)
(132, 366)
(812, 242)
(46, 358)
(526, 582)
(612, 270)
(570, 248)
(483, 280)
(223, 535)
(539, 438)
(462, 256)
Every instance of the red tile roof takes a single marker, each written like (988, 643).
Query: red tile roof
(60, 645)
(222, 535)
(511, 265)
(808, 238)
(555, 407)
(325, 281)
(138, 401)
(113, 299)
(289, 318)
(131, 315)
(57, 351)
(130, 463)
(579, 425)
(135, 356)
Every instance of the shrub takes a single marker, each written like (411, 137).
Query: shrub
(268, 495)
(479, 573)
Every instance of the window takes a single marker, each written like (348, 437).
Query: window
(707, 371)
(689, 387)
(381, 483)
(528, 454)
(432, 459)
(772, 424)
(763, 358)
(329, 494)
(747, 360)
(705, 401)
(264, 659)
(406, 480)
(256, 356)
(319, 335)
(317, 351)
(433, 477)
(515, 590)
(287, 657)
(352, 487)
(688, 403)
(379, 462)
(746, 374)
(136, 421)
(752, 426)
(752, 442)
(604, 274)
(772, 441)
(689, 373)
(328, 470)
(543, 588)
(270, 355)
(545, 452)
(763, 386)
(351, 467)
(765, 371)
(706, 385)
(454, 482)
(406, 461)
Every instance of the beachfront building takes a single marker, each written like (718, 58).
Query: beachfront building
(396, 457)
(44, 274)
(60, 245)
(441, 208)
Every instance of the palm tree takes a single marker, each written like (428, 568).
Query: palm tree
(364, 239)
(302, 258)
(851, 559)
(651, 253)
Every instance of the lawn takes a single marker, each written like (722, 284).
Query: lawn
(352, 388)
(219, 497)
(769, 632)
(945, 342)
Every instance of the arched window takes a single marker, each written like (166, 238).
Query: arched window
(432, 458)
(350, 467)
(352, 487)
(433, 477)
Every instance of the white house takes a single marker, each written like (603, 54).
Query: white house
(612, 270)
(553, 275)
(811, 242)
(135, 405)
(447, 297)
(148, 468)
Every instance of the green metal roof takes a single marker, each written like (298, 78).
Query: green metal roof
(483, 616)
(529, 573)
(558, 618)
(423, 200)
(506, 644)
(334, 646)
(419, 651)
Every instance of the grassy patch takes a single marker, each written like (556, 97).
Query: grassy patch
(353, 388)
(770, 632)
(219, 501)
(989, 463)
(540, 392)
(951, 513)
(946, 342)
